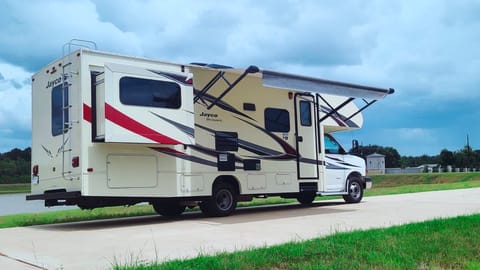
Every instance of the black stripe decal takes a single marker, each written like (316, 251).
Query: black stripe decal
(221, 104)
(185, 129)
(290, 152)
(174, 77)
(172, 152)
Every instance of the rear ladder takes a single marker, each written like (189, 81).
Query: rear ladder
(68, 123)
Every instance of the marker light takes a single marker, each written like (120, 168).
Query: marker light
(75, 162)
(35, 170)
(290, 95)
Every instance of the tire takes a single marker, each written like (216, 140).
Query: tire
(168, 208)
(222, 203)
(355, 190)
(306, 198)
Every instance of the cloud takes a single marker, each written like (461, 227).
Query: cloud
(242, 33)
(413, 133)
(426, 50)
(15, 112)
(33, 32)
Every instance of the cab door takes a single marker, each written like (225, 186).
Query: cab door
(306, 136)
(335, 171)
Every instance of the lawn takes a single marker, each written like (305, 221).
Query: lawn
(440, 244)
(14, 188)
(382, 185)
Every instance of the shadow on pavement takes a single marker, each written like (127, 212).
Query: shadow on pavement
(241, 215)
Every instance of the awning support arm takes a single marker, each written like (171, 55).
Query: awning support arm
(335, 110)
(363, 108)
(208, 86)
(250, 69)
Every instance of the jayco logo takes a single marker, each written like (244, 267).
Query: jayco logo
(54, 82)
(210, 116)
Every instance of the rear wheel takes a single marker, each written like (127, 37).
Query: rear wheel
(355, 190)
(168, 208)
(306, 198)
(222, 203)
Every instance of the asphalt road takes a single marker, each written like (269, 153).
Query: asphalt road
(100, 244)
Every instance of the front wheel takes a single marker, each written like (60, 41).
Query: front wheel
(222, 203)
(355, 191)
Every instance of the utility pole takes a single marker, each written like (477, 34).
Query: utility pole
(469, 154)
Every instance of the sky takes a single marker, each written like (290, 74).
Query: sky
(428, 51)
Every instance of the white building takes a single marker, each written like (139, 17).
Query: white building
(375, 164)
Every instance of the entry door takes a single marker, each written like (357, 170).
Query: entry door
(306, 136)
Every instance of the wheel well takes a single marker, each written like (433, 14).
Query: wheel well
(228, 179)
(359, 176)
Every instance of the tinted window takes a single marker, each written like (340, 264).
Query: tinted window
(305, 113)
(57, 109)
(277, 120)
(151, 93)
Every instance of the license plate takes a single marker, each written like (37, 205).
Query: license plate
(35, 180)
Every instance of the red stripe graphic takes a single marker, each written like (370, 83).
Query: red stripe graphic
(87, 113)
(126, 122)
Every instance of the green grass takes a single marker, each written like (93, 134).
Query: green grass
(15, 188)
(440, 244)
(19, 220)
(412, 188)
(382, 185)
(389, 180)
(389, 184)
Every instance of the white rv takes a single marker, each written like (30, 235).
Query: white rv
(111, 130)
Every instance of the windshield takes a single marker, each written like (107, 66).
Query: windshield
(332, 146)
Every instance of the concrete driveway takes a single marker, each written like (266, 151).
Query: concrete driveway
(100, 244)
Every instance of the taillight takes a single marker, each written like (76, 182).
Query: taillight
(35, 170)
(75, 162)
(290, 95)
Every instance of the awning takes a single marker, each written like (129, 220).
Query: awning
(308, 84)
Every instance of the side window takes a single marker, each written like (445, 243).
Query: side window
(331, 146)
(277, 120)
(57, 109)
(150, 93)
(305, 113)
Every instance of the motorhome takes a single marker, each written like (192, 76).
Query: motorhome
(110, 130)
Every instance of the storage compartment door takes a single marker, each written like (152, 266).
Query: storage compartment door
(144, 105)
(131, 171)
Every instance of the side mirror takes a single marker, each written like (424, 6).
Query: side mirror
(355, 146)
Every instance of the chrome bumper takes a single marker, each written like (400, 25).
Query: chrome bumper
(368, 182)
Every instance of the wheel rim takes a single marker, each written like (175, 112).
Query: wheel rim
(355, 190)
(224, 200)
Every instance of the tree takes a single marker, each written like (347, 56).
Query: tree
(465, 158)
(419, 160)
(15, 166)
(16, 153)
(446, 158)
